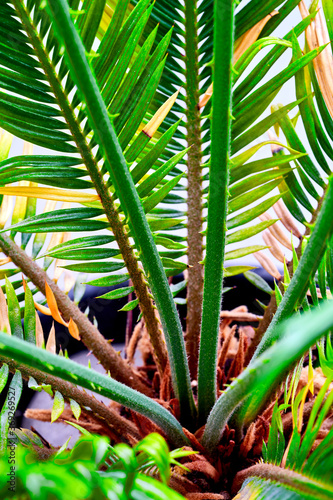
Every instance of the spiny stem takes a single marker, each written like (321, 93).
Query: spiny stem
(118, 424)
(262, 327)
(194, 189)
(217, 204)
(32, 356)
(91, 337)
(123, 183)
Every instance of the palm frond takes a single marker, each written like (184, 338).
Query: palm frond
(81, 133)
(305, 187)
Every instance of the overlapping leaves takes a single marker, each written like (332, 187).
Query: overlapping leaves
(250, 100)
(134, 43)
(37, 112)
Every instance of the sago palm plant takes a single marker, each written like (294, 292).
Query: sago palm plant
(145, 106)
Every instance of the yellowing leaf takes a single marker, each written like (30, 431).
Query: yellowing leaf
(311, 373)
(20, 206)
(39, 332)
(49, 194)
(159, 116)
(69, 280)
(51, 341)
(246, 40)
(205, 98)
(50, 206)
(317, 35)
(62, 238)
(76, 408)
(58, 406)
(42, 309)
(56, 239)
(53, 311)
(4, 261)
(73, 329)
(6, 210)
(239, 160)
(5, 143)
(301, 406)
(234, 270)
(52, 303)
(241, 45)
(4, 320)
(27, 148)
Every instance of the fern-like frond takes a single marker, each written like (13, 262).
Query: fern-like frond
(121, 99)
(304, 188)
(123, 89)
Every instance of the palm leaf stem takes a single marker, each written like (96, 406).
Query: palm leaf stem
(217, 205)
(194, 189)
(123, 183)
(302, 484)
(91, 337)
(139, 283)
(262, 327)
(103, 413)
(68, 370)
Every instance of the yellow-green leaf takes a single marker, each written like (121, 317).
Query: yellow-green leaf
(49, 194)
(58, 406)
(76, 408)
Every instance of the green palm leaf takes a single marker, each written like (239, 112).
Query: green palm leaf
(45, 133)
